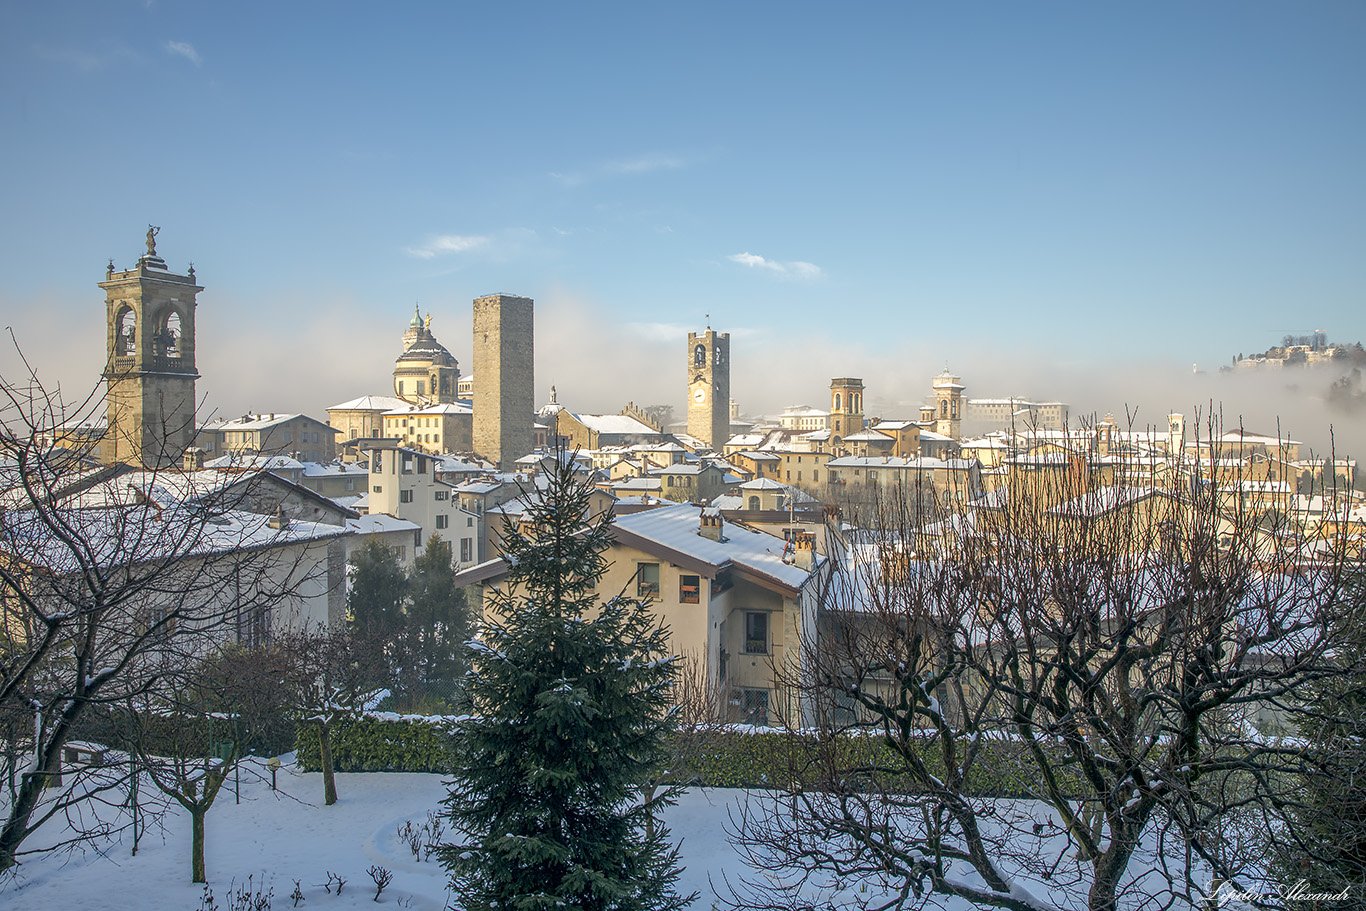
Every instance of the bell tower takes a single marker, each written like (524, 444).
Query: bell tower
(150, 371)
(846, 409)
(709, 387)
(948, 403)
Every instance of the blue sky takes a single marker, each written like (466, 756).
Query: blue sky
(1032, 193)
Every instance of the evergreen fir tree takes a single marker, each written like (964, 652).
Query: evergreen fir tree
(437, 619)
(571, 698)
(378, 590)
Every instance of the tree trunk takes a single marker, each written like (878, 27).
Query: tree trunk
(325, 760)
(31, 787)
(197, 844)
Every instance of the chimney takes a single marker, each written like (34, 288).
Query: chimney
(279, 520)
(194, 459)
(711, 523)
(804, 550)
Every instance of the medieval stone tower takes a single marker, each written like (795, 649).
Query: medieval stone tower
(846, 409)
(503, 355)
(709, 387)
(150, 370)
(948, 405)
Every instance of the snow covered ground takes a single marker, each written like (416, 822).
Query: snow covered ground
(289, 835)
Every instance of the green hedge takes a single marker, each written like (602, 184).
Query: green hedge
(765, 759)
(724, 759)
(372, 744)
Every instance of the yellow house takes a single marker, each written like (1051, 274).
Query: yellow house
(735, 599)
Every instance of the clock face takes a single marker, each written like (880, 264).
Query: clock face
(699, 396)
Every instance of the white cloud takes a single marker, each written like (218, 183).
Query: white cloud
(644, 164)
(184, 49)
(641, 164)
(795, 269)
(448, 243)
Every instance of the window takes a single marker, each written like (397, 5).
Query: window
(376, 462)
(466, 550)
(377, 489)
(754, 707)
(442, 521)
(443, 494)
(350, 483)
(756, 633)
(405, 496)
(469, 521)
(647, 580)
(689, 588)
(815, 476)
(253, 626)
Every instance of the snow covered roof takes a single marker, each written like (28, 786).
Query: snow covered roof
(676, 530)
(333, 469)
(444, 408)
(1105, 499)
(263, 421)
(143, 533)
(370, 403)
(1247, 436)
(615, 423)
(378, 523)
(240, 462)
(868, 436)
(763, 484)
(918, 463)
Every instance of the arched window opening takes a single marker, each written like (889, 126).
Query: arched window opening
(943, 409)
(855, 406)
(699, 356)
(837, 401)
(127, 329)
(168, 336)
(754, 503)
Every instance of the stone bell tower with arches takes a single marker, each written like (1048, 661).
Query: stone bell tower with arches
(709, 387)
(150, 369)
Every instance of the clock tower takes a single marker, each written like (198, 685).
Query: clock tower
(709, 387)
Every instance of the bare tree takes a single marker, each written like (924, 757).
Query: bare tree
(191, 731)
(332, 675)
(1059, 701)
(108, 577)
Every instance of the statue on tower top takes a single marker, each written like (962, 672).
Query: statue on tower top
(152, 232)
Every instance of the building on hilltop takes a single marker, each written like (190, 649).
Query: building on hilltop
(150, 370)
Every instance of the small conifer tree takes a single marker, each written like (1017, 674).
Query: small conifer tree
(571, 698)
